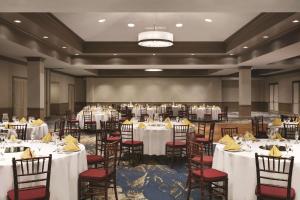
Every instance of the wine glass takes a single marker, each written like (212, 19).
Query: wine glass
(296, 137)
(2, 150)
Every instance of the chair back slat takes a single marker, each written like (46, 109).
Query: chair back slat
(110, 156)
(21, 130)
(127, 132)
(180, 133)
(289, 130)
(229, 131)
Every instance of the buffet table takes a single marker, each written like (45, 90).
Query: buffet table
(64, 173)
(241, 168)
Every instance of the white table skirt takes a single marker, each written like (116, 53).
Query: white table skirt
(98, 116)
(39, 131)
(200, 111)
(64, 171)
(241, 170)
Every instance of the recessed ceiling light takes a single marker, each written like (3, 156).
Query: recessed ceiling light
(265, 36)
(208, 20)
(153, 70)
(76, 54)
(295, 21)
(192, 54)
(179, 25)
(131, 25)
(153, 54)
(115, 54)
(64, 47)
(101, 20)
(245, 47)
(45, 37)
(231, 54)
(17, 21)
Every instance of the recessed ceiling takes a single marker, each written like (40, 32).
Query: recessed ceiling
(194, 28)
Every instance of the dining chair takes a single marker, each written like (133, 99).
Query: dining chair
(201, 130)
(21, 130)
(73, 129)
(261, 130)
(59, 127)
(289, 130)
(114, 115)
(31, 171)
(177, 147)
(92, 180)
(207, 117)
(192, 117)
(88, 122)
(210, 138)
(279, 170)
(224, 114)
(200, 176)
(229, 131)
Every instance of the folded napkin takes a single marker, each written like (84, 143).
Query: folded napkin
(6, 125)
(277, 136)
(169, 125)
(71, 146)
(127, 122)
(232, 146)
(47, 138)
(185, 121)
(37, 122)
(23, 120)
(142, 125)
(167, 120)
(276, 122)
(70, 139)
(13, 138)
(275, 152)
(27, 154)
(249, 136)
(226, 140)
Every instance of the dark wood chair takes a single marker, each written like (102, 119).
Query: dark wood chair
(177, 147)
(29, 171)
(224, 114)
(279, 170)
(201, 130)
(143, 117)
(207, 117)
(229, 131)
(59, 128)
(289, 130)
(93, 179)
(216, 181)
(210, 138)
(134, 148)
(88, 122)
(114, 115)
(259, 127)
(21, 130)
(192, 117)
(73, 129)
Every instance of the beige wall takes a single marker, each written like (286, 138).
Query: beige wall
(59, 87)
(153, 89)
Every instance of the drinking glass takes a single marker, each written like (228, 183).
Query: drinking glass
(296, 136)
(2, 150)
(5, 118)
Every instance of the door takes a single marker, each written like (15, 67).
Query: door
(19, 96)
(296, 97)
(71, 97)
(273, 97)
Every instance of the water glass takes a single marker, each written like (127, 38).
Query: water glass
(296, 136)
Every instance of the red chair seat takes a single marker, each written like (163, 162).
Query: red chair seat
(207, 160)
(210, 174)
(30, 193)
(90, 122)
(94, 174)
(73, 121)
(134, 142)
(117, 133)
(177, 144)
(94, 159)
(202, 140)
(113, 138)
(273, 191)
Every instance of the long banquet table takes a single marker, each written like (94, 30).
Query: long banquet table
(64, 171)
(240, 167)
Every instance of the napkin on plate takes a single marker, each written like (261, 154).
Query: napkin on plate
(276, 122)
(277, 136)
(47, 138)
(70, 139)
(167, 120)
(142, 125)
(169, 125)
(232, 146)
(185, 121)
(226, 140)
(275, 152)
(71, 146)
(13, 138)
(27, 154)
(23, 120)
(249, 136)
(127, 122)
(37, 122)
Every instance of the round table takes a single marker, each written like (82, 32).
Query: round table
(96, 116)
(200, 111)
(241, 169)
(64, 170)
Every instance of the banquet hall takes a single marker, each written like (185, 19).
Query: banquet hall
(149, 100)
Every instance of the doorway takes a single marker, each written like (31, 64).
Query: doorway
(296, 97)
(273, 97)
(19, 97)
(71, 97)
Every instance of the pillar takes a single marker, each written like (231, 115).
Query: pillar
(244, 91)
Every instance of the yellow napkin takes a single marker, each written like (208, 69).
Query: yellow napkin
(37, 122)
(185, 121)
(13, 138)
(277, 136)
(167, 120)
(275, 152)
(71, 146)
(142, 125)
(27, 154)
(249, 136)
(226, 140)
(168, 125)
(23, 120)
(6, 126)
(232, 146)
(276, 122)
(70, 139)
(47, 138)
(127, 122)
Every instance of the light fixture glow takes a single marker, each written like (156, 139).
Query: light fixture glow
(76, 54)
(17, 21)
(155, 39)
(115, 54)
(153, 70)
(192, 54)
(45, 37)
(265, 36)
(101, 20)
(295, 21)
(64, 47)
(179, 25)
(231, 54)
(131, 25)
(245, 47)
(208, 20)
(153, 54)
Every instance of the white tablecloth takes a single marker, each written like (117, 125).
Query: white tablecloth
(241, 170)
(64, 171)
(96, 116)
(200, 111)
(149, 110)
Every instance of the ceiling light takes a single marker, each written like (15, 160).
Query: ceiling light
(115, 54)
(45, 37)
(153, 70)
(295, 21)
(231, 54)
(17, 21)
(208, 20)
(64, 47)
(179, 25)
(76, 54)
(265, 37)
(245, 47)
(192, 54)
(131, 25)
(153, 54)
(155, 39)
(101, 20)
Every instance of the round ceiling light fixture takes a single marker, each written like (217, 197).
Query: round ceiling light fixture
(155, 39)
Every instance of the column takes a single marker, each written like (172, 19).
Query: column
(36, 87)
(244, 91)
